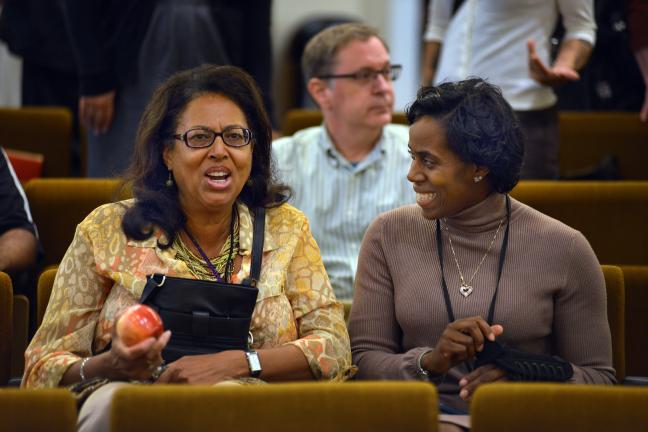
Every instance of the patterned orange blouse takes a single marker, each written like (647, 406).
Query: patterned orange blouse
(103, 272)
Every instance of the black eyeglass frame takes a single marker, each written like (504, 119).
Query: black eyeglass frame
(246, 132)
(394, 71)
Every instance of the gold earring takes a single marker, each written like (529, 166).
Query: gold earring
(169, 181)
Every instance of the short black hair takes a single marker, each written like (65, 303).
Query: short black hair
(158, 205)
(480, 126)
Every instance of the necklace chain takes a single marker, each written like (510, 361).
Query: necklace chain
(454, 255)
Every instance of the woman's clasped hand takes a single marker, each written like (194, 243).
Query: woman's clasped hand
(459, 342)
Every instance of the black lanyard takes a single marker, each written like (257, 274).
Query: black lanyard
(228, 265)
(446, 293)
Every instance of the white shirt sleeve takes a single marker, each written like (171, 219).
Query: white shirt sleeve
(439, 15)
(578, 19)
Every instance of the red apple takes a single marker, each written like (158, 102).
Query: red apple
(139, 322)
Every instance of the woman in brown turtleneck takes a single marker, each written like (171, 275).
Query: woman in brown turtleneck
(467, 150)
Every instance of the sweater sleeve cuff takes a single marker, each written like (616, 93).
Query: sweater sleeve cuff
(411, 366)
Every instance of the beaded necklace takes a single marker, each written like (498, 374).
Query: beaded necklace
(222, 263)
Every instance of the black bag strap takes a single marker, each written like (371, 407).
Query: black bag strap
(258, 233)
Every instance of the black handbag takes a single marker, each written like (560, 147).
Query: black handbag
(204, 316)
(523, 366)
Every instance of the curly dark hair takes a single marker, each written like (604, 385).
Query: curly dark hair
(157, 205)
(481, 127)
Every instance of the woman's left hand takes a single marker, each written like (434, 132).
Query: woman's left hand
(206, 369)
(483, 374)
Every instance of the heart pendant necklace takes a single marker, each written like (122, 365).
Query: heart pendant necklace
(466, 288)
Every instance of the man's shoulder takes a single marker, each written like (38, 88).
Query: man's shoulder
(301, 139)
(399, 131)
(396, 134)
(396, 138)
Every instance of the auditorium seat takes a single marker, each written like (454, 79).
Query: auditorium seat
(587, 137)
(58, 205)
(44, 130)
(535, 407)
(20, 334)
(636, 319)
(6, 326)
(37, 410)
(615, 291)
(286, 407)
(297, 119)
(43, 292)
(612, 215)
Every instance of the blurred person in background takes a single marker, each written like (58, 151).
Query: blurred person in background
(508, 43)
(124, 50)
(351, 168)
(18, 241)
(34, 30)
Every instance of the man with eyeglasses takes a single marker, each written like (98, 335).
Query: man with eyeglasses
(354, 166)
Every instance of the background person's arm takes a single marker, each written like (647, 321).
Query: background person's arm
(18, 250)
(97, 79)
(575, 48)
(638, 30)
(18, 242)
(642, 60)
(439, 15)
(572, 56)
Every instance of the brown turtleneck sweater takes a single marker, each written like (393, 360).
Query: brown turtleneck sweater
(551, 297)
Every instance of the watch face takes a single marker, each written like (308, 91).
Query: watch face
(254, 363)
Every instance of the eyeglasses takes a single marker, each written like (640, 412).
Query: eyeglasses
(201, 137)
(366, 76)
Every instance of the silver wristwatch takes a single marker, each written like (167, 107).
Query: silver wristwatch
(253, 363)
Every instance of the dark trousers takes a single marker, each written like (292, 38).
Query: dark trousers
(541, 147)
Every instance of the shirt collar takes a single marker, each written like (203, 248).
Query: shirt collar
(338, 160)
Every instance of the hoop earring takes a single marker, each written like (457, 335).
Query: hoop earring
(169, 181)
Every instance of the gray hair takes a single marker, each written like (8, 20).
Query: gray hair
(319, 54)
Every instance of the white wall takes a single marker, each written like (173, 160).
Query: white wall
(397, 20)
(10, 77)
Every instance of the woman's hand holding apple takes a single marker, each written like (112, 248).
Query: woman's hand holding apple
(138, 323)
(137, 343)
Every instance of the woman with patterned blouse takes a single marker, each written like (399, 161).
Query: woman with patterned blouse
(201, 165)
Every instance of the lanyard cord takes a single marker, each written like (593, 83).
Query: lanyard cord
(500, 266)
(228, 265)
